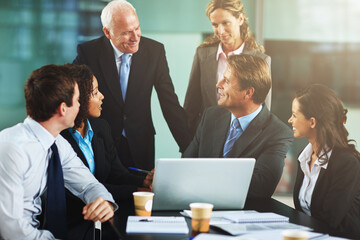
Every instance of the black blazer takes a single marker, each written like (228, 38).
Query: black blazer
(148, 69)
(336, 196)
(108, 170)
(267, 139)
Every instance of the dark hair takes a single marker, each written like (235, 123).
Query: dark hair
(322, 103)
(235, 7)
(46, 88)
(84, 78)
(252, 71)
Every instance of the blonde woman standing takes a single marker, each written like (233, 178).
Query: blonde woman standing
(232, 36)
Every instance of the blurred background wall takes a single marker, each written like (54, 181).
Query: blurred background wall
(309, 42)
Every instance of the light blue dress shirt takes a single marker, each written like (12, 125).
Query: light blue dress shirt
(246, 120)
(24, 156)
(85, 145)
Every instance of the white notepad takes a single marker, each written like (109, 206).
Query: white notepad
(174, 225)
(243, 228)
(256, 217)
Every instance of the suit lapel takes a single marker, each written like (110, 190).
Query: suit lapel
(98, 148)
(76, 147)
(211, 73)
(252, 132)
(138, 68)
(318, 185)
(109, 70)
(220, 129)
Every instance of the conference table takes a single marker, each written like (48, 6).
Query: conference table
(260, 205)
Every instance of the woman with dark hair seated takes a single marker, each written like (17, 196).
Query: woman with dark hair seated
(328, 181)
(92, 141)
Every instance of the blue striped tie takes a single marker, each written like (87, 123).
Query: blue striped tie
(234, 133)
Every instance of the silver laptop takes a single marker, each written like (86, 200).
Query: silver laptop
(223, 182)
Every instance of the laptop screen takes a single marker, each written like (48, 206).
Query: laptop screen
(223, 182)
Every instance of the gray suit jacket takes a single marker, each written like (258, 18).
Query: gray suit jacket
(267, 139)
(201, 92)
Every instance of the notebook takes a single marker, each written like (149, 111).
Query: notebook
(223, 182)
(175, 225)
(255, 217)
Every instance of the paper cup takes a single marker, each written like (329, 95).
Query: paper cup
(143, 203)
(295, 235)
(200, 216)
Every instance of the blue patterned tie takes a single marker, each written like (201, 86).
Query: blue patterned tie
(234, 134)
(124, 73)
(55, 220)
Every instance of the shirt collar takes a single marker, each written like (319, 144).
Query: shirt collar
(305, 156)
(117, 52)
(246, 120)
(220, 51)
(42, 134)
(77, 136)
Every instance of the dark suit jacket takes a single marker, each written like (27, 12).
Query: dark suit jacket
(336, 196)
(201, 92)
(267, 139)
(108, 170)
(148, 69)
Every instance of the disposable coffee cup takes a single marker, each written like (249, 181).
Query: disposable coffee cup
(200, 217)
(295, 235)
(143, 202)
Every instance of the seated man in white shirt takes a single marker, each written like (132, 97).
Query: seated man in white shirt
(35, 158)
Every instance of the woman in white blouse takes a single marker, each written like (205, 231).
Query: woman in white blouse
(327, 186)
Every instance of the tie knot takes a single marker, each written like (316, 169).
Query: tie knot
(125, 57)
(54, 148)
(235, 123)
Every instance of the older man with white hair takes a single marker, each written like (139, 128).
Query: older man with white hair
(127, 67)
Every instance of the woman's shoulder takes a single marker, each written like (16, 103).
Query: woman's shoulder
(99, 124)
(256, 52)
(344, 157)
(207, 49)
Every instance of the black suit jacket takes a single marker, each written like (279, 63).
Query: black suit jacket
(202, 92)
(148, 69)
(108, 170)
(336, 196)
(267, 139)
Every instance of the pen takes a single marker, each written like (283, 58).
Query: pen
(140, 170)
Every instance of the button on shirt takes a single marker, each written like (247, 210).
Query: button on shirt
(24, 157)
(85, 145)
(310, 177)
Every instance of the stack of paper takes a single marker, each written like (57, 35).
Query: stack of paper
(256, 217)
(137, 224)
(243, 228)
(262, 235)
(217, 216)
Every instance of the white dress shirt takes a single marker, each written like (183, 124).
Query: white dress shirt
(24, 156)
(310, 177)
